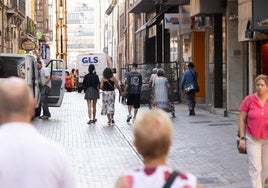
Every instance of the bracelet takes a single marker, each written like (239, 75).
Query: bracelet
(242, 138)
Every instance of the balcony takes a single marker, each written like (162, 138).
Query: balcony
(14, 7)
(142, 6)
(146, 6)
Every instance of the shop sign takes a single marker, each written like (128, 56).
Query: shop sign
(31, 27)
(28, 45)
(177, 20)
(260, 15)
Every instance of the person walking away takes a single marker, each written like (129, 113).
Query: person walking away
(73, 78)
(133, 90)
(91, 85)
(151, 81)
(253, 131)
(68, 82)
(152, 77)
(161, 87)
(190, 78)
(27, 159)
(44, 85)
(152, 139)
(107, 85)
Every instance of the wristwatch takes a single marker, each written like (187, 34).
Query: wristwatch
(242, 138)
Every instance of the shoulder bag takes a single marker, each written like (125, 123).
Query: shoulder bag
(171, 179)
(192, 85)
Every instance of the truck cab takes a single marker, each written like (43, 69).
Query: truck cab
(25, 67)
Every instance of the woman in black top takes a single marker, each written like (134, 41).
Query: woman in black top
(108, 82)
(91, 84)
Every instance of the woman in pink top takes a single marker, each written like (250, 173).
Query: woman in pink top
(253, 130)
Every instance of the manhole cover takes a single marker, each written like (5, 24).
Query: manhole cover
(211, 180)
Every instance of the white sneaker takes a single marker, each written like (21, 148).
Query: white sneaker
(133, 120)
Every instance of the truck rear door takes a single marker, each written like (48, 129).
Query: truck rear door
(57, 75)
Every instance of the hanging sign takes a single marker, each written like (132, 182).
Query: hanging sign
(28, 45)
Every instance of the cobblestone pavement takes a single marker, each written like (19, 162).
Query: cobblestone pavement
(203, 144)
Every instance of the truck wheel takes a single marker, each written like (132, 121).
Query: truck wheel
(38, 110)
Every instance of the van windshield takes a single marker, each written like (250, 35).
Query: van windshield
(10, 66)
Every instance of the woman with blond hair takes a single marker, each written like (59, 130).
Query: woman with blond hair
(253, 131)
(152, 139)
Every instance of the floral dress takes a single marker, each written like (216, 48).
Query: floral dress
(161, 85)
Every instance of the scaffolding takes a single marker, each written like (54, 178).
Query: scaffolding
(61, 30)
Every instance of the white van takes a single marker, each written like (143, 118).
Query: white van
(100, 61)
(24, 66)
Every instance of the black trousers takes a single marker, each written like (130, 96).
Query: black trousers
(191, 99)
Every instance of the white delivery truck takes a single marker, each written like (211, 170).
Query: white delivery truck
(100, 60)
(24, 66)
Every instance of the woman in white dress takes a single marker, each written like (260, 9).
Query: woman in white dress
(161, 86)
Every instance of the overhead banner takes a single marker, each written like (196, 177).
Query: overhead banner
(177, 21)
(260, 15)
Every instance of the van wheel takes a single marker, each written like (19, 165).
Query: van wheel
(38, 110)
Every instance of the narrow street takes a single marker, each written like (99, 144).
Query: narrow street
(203, 144)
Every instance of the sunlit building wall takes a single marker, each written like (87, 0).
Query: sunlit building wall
(84, 29)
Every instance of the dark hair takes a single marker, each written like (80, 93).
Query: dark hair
(91, 68)
(190, 65)
(107, 73)
(135, 65)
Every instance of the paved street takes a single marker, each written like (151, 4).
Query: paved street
(203, 144)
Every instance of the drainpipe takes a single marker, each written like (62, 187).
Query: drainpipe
(3, 31)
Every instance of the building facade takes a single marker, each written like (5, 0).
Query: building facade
(85, 28)
(12, 15)
(219, 39)
(25, 27)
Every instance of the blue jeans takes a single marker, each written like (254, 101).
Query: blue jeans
(44, 100)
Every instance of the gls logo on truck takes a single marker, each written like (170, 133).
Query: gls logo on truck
(86, 60)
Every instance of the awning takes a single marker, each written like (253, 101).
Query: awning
(156, 19)
(142, 6)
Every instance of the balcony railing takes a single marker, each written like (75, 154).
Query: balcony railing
(16, 6)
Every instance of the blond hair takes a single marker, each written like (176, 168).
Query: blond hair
(262, 77)
(153, 132)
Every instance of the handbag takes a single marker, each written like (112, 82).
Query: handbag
(188, 87)
(192, 85)
(196, 84)
(197, 88)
